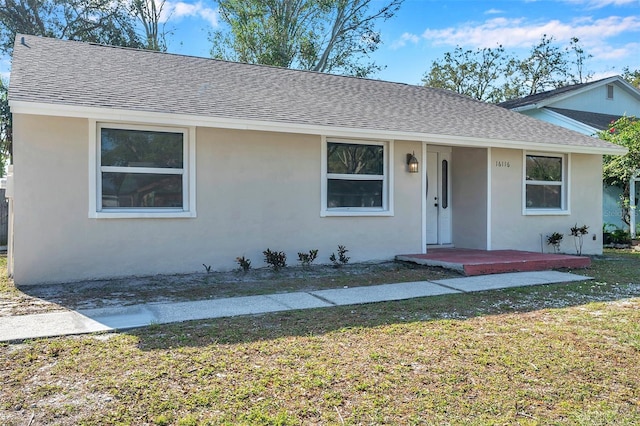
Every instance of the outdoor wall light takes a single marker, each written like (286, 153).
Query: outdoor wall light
(412, 162)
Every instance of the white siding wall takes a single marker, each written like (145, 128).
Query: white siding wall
(595, 100)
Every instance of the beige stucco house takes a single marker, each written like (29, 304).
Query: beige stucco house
(132, 162)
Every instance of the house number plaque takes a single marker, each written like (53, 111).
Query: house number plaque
(503, 164)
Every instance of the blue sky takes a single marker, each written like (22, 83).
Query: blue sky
(423, 30)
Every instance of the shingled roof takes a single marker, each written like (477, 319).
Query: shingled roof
(593, 119)
(76, 74)
(543, 96)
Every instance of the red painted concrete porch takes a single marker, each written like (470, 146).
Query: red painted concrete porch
(480, 262)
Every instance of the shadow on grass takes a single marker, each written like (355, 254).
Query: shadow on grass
(273, 326)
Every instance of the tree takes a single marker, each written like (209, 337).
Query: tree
(619, 169)
(495, 75)
(475, 73)
(98, 21)
(633, 77)
(318, 35)
(149, 15)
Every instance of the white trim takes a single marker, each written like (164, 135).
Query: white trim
(423, 196)
(93, 168)
(567, 121)
(188, 172)
(568, 94)
(386, 178)
(632, 203)
(489, 197)
(565, 194)
(186, 120)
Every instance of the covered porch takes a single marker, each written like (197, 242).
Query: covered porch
(482, 262)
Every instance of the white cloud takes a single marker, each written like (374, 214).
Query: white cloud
(599, 4)
(494, 12)
(404, 38)
(521, 33)
(624, 52)
(181, 9)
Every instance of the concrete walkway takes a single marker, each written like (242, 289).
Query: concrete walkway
(119, 318)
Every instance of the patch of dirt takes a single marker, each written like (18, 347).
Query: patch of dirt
(198, 286)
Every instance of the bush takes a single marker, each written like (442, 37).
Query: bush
(275, 259)
(554, 240)
(245, 264)
(341, 259)
(307, 258)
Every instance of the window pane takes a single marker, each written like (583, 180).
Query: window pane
(141, 148)
(354, 193)
(355, 159)
(139, 190)
(544, 196)
(544, 168)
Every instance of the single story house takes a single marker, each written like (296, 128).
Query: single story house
(131, 162)
(588, 108)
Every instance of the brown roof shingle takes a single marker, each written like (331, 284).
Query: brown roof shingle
(84, 74)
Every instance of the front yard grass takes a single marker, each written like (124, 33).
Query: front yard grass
(555, 354)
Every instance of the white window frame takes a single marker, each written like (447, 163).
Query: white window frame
(387, 181)
(188, 173)
(565, 185)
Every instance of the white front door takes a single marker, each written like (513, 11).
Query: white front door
(438, 193)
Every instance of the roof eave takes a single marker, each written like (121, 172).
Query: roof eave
(585, 128)
(187, 120)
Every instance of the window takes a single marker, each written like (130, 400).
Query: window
(609, 91)
(143, 172)
(355, 178)
(545, 182)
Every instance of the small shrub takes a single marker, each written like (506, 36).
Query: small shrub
(554, 240)
(244, 263)
(275, 259)
(578, 233)
(341, 259)
(307, 258)
(620, 236)
(207, 268)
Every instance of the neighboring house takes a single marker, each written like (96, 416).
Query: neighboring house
(587, 108)
(133, 162)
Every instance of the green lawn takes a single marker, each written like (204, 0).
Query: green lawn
(557, 354)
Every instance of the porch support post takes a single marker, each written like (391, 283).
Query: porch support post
(489, 162)
(423, 196)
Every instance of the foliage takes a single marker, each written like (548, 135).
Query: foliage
(98, 21)
(307, 258)
(475, 73)
(578, 233)
(619, 169)
(620, 236)
(633, 77)
(341, 259)
(6, 134)
(149, 15)
(554, 240)
(244, 263)
(495, 75)
(275, 259)
(318, 35)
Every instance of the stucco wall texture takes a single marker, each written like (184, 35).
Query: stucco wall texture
(258, 190)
